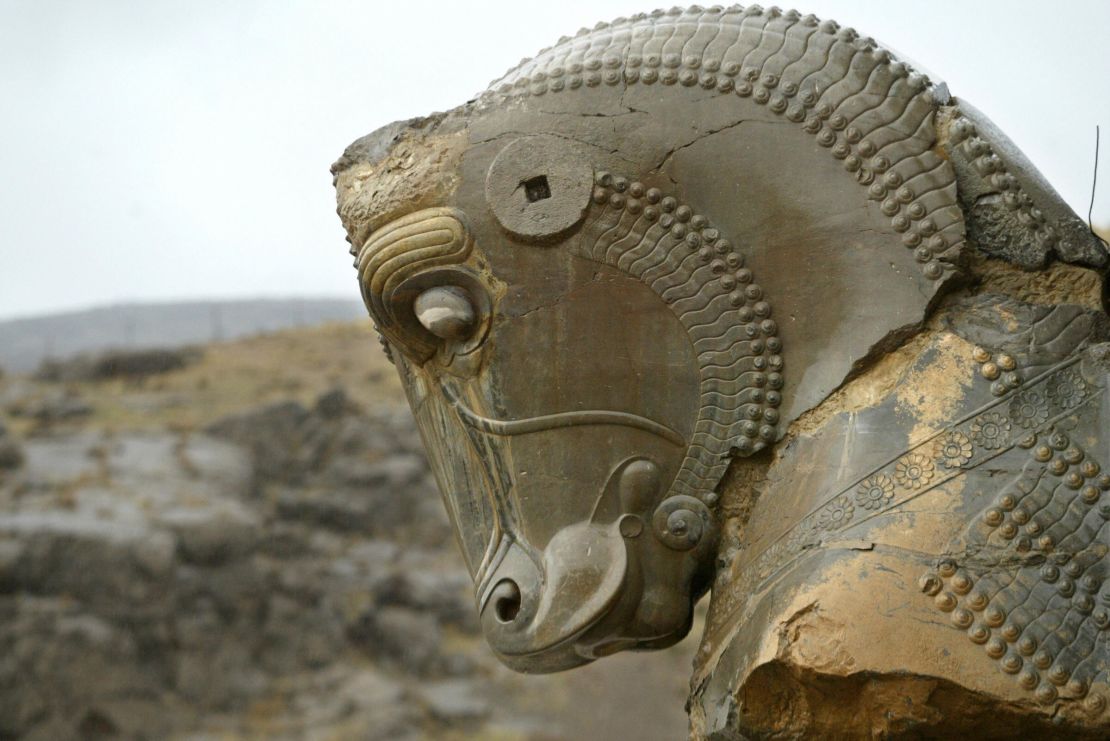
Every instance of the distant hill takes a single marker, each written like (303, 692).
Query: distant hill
(24, 343)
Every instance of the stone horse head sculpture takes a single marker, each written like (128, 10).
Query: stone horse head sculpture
(734, 298)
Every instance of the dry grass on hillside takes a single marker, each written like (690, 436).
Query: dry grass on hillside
(231, 377)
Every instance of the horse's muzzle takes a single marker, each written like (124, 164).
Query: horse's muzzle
(537, 606)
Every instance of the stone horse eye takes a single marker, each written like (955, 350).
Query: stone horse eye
(446, 311)
(421, 298)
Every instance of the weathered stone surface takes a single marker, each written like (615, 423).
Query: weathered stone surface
(168, 630)
(403, 636)
(453, 702)
(126, 364)
(212, 535)
(1013, 212)
(11, 454)
(145, 577)
(280, 439)
(56, 405)
(735, 297)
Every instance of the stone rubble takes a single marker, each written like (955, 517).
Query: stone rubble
(287, 572)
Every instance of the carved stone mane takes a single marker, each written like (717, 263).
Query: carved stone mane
(733, 296)
(869, 111)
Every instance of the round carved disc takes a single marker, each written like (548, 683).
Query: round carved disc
(539, 186)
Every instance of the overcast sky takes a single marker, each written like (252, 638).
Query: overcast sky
(166, 150)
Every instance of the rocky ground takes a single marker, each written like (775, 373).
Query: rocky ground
(245, 543)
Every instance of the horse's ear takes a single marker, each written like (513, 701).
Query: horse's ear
(1012, 211)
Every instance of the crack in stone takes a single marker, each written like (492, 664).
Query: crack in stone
(662, 163)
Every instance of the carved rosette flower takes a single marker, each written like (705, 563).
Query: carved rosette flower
(991, 431)
(803, 534)
(788, 547)
(1067, 389)
(875, 492)
(777, 553)
(1029, 409)
(836, 514)
(914, 471)
(954, 450)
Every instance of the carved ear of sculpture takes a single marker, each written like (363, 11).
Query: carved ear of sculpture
(1013, 212)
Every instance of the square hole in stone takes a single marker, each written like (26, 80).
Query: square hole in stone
(537, 189)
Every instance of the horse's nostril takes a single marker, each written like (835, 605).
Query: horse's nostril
(506, 600)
